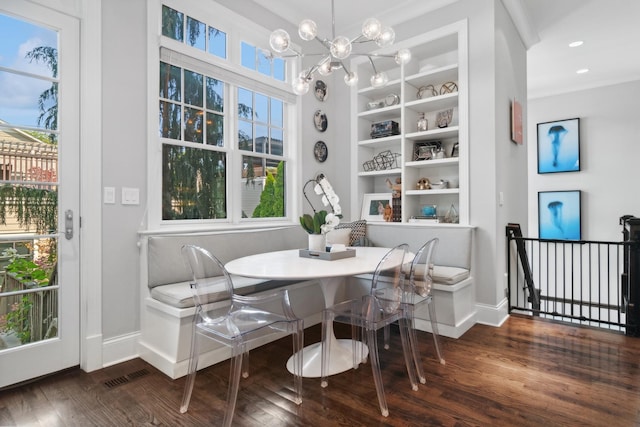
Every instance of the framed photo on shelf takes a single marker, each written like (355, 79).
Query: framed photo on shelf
(559, 146)
(373, 205)
(559, 215)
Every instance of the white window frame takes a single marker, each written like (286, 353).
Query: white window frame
(242, 29)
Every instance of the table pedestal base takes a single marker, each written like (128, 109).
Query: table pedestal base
(341, 358)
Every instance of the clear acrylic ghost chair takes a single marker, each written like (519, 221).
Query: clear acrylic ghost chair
(418, 293)
(374, 311)
(249, 318)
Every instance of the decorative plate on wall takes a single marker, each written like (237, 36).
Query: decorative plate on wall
(320, 151)
(320, 120)
(321, 90)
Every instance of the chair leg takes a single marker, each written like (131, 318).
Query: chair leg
(372, 341)
(245, 365)
(191, 373)
(434, 330)
(406, 327)
(413, 342)
(298, 345)
(234, 383)
(386, 336)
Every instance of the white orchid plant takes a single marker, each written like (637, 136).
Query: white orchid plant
(322, 221)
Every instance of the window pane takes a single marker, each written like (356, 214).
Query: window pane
(193, 183)
(248, 56)
(196, 33)
(193, 89)
(170, 119)
(278, 69)
(245, 135)
(217, 43)
(276, 142)
(264, 64)
(215, 95)
(276, 112)
(193, 124)
(245, 103)
(262, 139)
(28, 100)
(170, 82)
(263, 190)
(261, 108)
(172, 23)
(215, 129)
(20, 98)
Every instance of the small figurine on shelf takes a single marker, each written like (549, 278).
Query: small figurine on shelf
(388, 213)
(422, 123)
(423, 184)
(396, 189)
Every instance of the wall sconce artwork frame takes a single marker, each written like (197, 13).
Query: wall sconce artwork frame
(559, 146)
(516, 122)
(559, 215)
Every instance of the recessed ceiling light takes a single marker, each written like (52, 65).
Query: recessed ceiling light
(576, 43)
(582, 71)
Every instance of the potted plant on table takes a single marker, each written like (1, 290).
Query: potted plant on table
(321, 222)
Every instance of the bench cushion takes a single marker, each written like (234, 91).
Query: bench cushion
(449, 275)
(179, 295)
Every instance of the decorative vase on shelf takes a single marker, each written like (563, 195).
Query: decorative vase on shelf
(317, 242)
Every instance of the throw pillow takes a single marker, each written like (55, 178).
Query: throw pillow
(358, 230)
(339, 236)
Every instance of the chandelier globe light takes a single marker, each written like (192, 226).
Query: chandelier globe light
(338, 48)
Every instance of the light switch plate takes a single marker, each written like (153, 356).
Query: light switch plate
(109, 195)
(130, 196)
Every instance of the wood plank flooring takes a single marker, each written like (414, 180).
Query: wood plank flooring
(525, 373)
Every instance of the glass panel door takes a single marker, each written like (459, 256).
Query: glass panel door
(39, 198)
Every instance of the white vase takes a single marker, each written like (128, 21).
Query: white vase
(317, 242)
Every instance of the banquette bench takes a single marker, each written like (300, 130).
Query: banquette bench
(166, 304)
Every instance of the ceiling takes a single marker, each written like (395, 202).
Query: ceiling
(610, 30)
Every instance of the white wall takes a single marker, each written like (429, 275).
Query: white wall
(609, 155)
(124, 159)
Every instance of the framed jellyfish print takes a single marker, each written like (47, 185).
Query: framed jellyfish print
(559, 215)
(559, 146)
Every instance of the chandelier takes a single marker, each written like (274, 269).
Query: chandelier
(337, 49)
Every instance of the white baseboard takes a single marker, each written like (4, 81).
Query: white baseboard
(492, 315)
(120, 349)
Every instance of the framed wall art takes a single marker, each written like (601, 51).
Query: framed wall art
(559, 146)
(516, 122)
(373, 205)
(559, 215)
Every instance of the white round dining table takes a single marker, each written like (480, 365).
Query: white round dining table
(289, 265)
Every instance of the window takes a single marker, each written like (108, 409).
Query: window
(256, 59)
(221, 127)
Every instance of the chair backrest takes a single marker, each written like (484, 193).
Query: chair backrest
(208, 274)
(389, 298)
(421, 274)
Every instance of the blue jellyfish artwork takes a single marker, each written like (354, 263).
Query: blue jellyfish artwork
(559, 215)
(559, 146)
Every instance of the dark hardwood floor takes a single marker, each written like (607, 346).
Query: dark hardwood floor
(525, 373)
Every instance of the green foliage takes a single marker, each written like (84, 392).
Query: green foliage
(18, 319)
(312, 224)
(193, 183)
(32, 207)
(25, 270)
(267, 199)
(272, 197)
